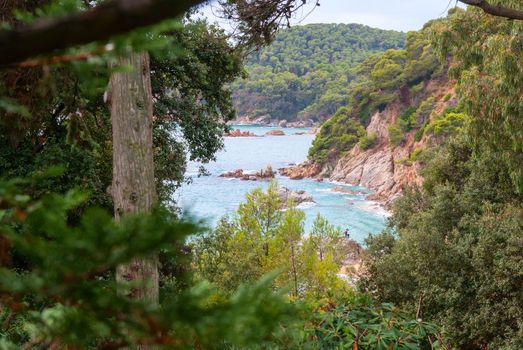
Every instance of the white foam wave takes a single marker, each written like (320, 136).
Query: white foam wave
(323, 190)
(340, 183)
(373, 207)
(306, 205)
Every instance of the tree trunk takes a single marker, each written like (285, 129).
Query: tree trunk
(294, 269)
(133, 186)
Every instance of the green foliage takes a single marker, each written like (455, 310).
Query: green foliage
(422, 113)
(53, 295)
(486, 53)
(420, 132)
(456, 253)
(447, 124)
(368, 141)
(262, 238)
(378, 81)
(396, 136)
(256, 241)
(337, 135)
(362, 325)
(306, 71)
(56, 115)
(406, 118)
(416, 154)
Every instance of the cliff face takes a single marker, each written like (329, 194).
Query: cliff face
(386, 169)
(381, 168)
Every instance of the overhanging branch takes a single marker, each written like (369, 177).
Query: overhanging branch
(100, 23)
(495, 10)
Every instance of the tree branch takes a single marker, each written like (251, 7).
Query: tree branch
(100, 23)
(494, 10)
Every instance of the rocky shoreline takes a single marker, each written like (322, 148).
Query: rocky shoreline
(286, 194)
(318, 172)
(268, 122)
(264, 174)
(239, 133)
(296, 196)
(385, 168)
(275, 132)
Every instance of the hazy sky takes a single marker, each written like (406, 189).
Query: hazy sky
(401, 15)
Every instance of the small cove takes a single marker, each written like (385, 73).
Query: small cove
(210, 197)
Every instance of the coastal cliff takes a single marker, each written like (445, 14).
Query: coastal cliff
(386, 167)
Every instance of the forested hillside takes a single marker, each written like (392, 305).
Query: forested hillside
(441, 120)
(397, 75)
(96, 127)
(306, 71)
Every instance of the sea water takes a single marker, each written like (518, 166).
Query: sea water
(210, 197)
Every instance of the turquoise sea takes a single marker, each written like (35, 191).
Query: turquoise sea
(210, 197)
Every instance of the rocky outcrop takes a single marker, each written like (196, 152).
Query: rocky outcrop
(302, 124)
(313, 131)
(345, 190)
(386, 169)
(267, 121)
(300, 171)
(264, 174)
(274, 133)
(263, 120)
(239, 133)
(297, 197)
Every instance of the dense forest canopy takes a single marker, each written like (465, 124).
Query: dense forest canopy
(452, 251)
(450, 260)
(379, 80)
(305, 72)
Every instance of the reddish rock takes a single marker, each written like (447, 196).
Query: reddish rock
(313, 131)
(301, 171)
(275, 133)
(263, 174)
(238, 173)
(297, 197)
(342, 189)
(239, 133)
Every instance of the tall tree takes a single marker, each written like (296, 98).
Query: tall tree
(133, 186)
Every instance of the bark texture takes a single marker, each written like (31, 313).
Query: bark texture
(499, 11)
(99, 23)
(133, 186)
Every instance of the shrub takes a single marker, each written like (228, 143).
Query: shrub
(362, 325)
(416, 154)
(340, 133)
(405, 119)
(419, 133)
(447, 124)
(418, 87)
(396, 136)
(368, 141)
(422, 112)
(57, 289)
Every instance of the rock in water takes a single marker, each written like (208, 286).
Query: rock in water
(263, 174)
(275, 133)
(238, 173)
(298, 197)
(342, 189)
(239, 133)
